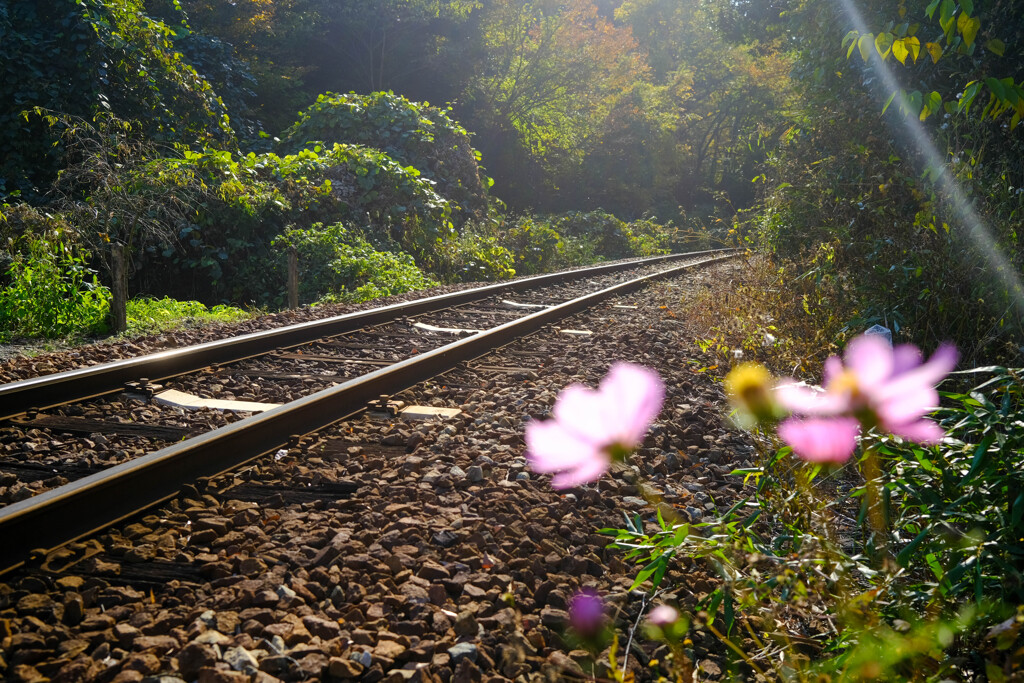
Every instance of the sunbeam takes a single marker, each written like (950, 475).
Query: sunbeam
(963, 209)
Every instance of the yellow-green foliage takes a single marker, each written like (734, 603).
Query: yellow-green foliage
(155, 315)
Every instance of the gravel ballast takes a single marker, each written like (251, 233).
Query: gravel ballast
(385, 549)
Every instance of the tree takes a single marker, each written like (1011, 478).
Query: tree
(551, 74)
(382, 44)
(728, 97)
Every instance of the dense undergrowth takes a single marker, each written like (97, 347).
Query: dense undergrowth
(214, 225)
(903, 562)
(907, 214)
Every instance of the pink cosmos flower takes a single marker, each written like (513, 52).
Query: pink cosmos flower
(663, 615)
(876, 386)
(591, 427)
(586, 612)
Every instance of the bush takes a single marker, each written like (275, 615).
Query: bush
(577, 238)
(958, 508)
(337, 264)
(413, 133)
(241, 202)
(476, 257)
(535, 245)
(51, 291)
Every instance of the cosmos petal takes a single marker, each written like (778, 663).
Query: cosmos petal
(905, 357)
(830, 440)
(922, 431)
(833, 368)
(870, 359)
(635, 395)
(908, 405)
(550, 447)
(582, 410)
(584, 473)
(929, 373)
(800, 398)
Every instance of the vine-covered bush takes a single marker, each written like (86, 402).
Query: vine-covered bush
(337, 264)
(413, 133)
(240, 203)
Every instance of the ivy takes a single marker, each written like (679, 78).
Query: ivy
(413, 133)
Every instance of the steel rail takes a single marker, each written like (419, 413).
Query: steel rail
(76, 385)
(36, 526)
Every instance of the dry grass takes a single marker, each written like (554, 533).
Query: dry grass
(756, 310)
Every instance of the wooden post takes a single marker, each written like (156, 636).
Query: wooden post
(293, 278)
(119, 289)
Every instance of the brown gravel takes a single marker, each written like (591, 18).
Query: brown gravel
(398, 551)
(37, 455)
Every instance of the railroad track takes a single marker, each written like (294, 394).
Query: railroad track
(319, 372)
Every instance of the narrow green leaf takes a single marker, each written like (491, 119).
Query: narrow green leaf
(659, 573)
(967, 6)
(1017, 509)
(970, 92)
(903, 558)
(979, 457)
(888, 102)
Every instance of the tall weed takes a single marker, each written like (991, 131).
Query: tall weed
(52, 292)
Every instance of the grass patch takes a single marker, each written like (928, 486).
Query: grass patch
(157, 315)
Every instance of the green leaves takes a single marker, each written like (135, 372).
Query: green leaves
(961, 502)
(52, 292)
(423, 138)
(968, 27)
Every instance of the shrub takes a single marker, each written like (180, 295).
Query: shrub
(51, 291)
(535, 245)
(242, 202)
(476, 257)
(413, 133)
(958, 508)
(338, 264)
